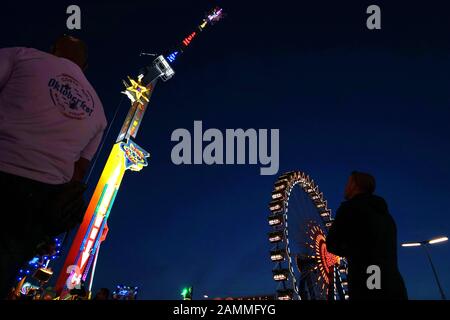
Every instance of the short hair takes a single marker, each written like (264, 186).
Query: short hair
(72, 48)
(364, 181)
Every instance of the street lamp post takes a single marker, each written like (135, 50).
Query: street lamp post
(424, 245)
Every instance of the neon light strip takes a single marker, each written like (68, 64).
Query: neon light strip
(83, 244)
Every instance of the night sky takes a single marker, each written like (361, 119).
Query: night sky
(344, 98)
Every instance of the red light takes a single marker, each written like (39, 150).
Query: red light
(189, 38)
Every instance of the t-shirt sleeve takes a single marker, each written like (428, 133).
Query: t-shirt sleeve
(91, 148)
(7, 60)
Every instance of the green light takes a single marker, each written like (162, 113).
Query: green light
(186, 293)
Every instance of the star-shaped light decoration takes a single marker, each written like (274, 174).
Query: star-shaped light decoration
(135, 156)
(135, 91)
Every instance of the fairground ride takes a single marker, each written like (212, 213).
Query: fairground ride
(125, 155)
(300, 219)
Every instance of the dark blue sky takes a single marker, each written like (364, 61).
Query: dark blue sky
(343, 97)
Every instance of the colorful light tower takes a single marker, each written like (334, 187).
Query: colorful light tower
(125, 155)
(212, 17)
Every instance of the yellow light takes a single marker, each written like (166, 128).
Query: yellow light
(274, 239)
(137, 90)
(277, 257)
(274, 222)
(411, 244)
(106, 200)
(438, 240)
(279, 277)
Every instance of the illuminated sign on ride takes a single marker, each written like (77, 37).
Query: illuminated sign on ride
(135, 156)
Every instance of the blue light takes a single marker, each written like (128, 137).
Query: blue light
(34, 260)
(171, 57)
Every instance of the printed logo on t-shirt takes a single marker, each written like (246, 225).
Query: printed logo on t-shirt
(70, 97)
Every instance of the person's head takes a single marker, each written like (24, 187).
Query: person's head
(72, 49)
(46, 248)
(102, 294)
(358, 183)
(48, 296)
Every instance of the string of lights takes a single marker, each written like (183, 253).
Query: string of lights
(40, 261)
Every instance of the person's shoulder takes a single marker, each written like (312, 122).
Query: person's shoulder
(14, 48)
(345, 204)
(98, 107)
(31, 54)
(378, 198)
(372, 200)
(21, 54)
(380, 202)
(344, 207)
(83, 80)
(12, 51)
(28, 51)
(31, 50)
(349, 205)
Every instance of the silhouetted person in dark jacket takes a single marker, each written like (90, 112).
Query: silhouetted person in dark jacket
(365, 233)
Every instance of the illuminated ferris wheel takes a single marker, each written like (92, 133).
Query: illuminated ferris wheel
(299, 218)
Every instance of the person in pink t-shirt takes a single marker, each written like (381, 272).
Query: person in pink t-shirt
(51, 124)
